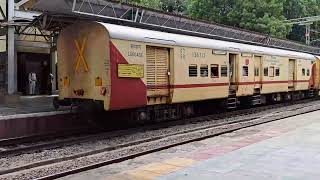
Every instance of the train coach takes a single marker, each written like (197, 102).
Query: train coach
(163, 76)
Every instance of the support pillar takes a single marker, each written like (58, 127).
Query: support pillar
(54, 58)
(12, 58)
(12, 63)
(308, 30)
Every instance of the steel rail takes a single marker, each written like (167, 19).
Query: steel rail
(40, 137)
(142, 141)
(243, 124)
(91, 134)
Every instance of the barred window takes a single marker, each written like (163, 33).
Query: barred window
(303, 72)
(271, 71)
(266, 71)
(308, 72)
(214, 71)
(193, 70)
(277, 71)
(245, 71)
(204, 70)
(224, 71)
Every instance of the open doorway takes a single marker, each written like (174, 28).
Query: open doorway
(291, 73)
(233, 70)
(35, 64)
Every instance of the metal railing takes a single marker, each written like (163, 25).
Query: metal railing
(67, 11)
(111, 10)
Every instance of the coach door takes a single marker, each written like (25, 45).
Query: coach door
(316, 73)
(233, 71)
(157, 74)
(291, 73)
(257, 72)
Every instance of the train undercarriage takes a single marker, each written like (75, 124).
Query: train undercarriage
(94, 111)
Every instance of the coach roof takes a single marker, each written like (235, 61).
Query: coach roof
(145, 35)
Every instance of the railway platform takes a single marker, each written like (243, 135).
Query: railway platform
(284, 149)
(27, 105)
(30, 115)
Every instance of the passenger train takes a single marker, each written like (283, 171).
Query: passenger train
(159, 76)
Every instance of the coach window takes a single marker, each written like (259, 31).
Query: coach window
(271, 71)
(277, 71)
(204, 70)
(193, 70)
(308, 72)
(224, 71)
(214, 71)
(245, 71)
(303, 72)
(266, 71)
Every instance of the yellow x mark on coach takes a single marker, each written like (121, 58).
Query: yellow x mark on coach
(80, 57)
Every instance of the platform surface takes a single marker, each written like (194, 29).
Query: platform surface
(29, 105)
(286, 150)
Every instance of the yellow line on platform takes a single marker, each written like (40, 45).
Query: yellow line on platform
(153, 170)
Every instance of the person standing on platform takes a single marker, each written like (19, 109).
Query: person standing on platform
(50, 83)
(32, 83)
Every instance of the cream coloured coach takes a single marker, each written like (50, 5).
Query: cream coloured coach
(126, 67)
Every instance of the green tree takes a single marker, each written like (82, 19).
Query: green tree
(211, 10)
(294, 9)
(302, 8)
(176, 6)
(154, 4)
(264, 16)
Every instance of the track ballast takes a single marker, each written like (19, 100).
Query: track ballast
(121, 145)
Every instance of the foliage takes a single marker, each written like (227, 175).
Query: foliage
(176, 6)
(212, 10)
(265, 16)
(302, 8)
(257, 15)
(260, 15)
(154, 4)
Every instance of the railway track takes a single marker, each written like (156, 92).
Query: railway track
(154, 138)
(42, 137)
(27, 144)
(31, 143)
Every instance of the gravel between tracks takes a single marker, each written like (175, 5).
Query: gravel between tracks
(23, 159)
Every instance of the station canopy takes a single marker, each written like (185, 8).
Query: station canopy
(60, 13)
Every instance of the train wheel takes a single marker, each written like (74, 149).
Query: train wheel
(188, 111)
(142, 117)
(287, 97)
